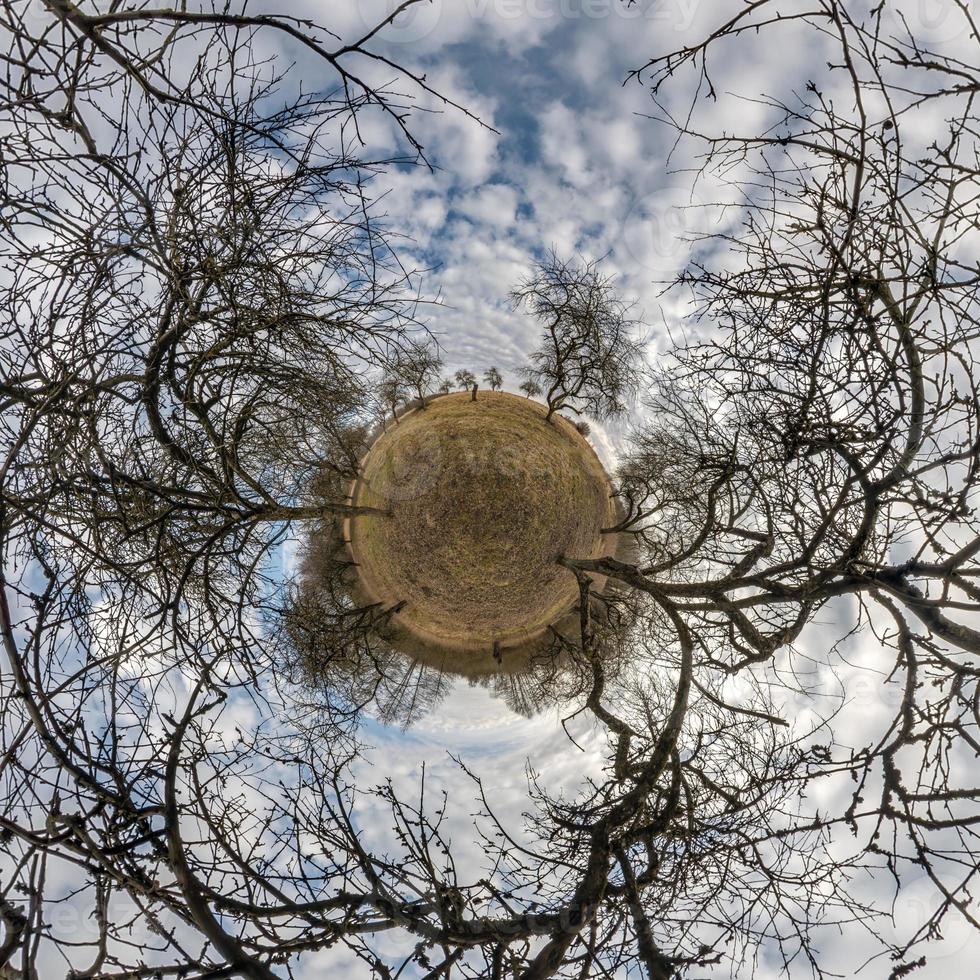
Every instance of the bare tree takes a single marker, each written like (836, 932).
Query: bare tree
(196, 282)
(390, 394)
(417, 365)
(465, 379)
(183, 380)
(493, 379)
(335, 646)
(816, 455)
(588, 360)
(531, 388)
(675, 801)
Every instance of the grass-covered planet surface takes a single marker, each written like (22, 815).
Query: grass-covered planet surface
(482, 498)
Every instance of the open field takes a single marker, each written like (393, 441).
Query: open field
(484, 496)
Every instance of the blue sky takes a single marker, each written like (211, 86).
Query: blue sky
(570, 161)
(573, 163)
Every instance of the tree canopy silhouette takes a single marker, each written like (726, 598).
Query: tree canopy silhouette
(199, 309)
(587, 358)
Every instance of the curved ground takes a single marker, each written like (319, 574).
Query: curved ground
(484, 496)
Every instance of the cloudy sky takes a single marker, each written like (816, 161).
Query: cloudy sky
(565, 159)
(569, 158)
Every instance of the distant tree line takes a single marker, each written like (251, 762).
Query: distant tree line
(587, 362)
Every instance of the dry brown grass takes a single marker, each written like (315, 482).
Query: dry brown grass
(484, 496)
